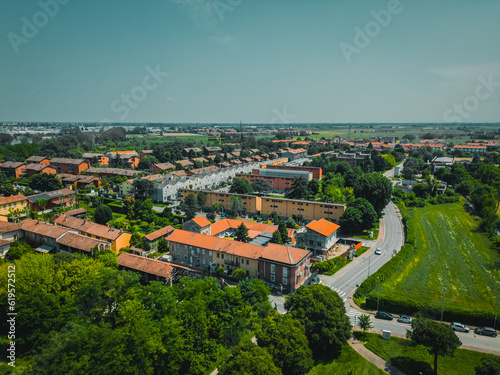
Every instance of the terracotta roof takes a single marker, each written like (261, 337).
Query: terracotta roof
(202, 221)
(184, 163)
(43, 228)
(202, 160)
(164, 166)
(89, 227)
(12, 199)
(323, 227)
(123, 152)
(179, 173)
(36, 159)
(144, 264)
(12, 164)
(37, 167)
(75, 212)
(77, 241)
(225, 224)
(6, 227)
(284, 254)
(68, 161)
(160, 233)
(217, 244)
(51, 194)
(4, 242)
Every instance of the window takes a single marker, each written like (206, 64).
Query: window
(285, 272)
(197, 250)
(203, 261)
(247, 262)
(210, 252)
(203, 251)
(273, 268)
(284, 281)
(218, 255)
(272, 278)
(222, 256)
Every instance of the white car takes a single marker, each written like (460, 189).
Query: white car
(378, 251)
(459, 327)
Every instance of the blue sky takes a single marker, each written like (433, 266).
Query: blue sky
(258, 61)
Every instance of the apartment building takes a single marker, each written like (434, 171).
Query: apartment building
(111, 172)
(33, 168)
(71, 166)
(60, 198)
(96, 158)
(280, 180)
(9, 204)
(317, 172)
(38, 160)
(294, 154)
(13, 169)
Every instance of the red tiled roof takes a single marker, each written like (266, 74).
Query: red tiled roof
(43, 228)
(225, 224)
(4, 242)
(202, 221)
(323, 227)
(89, 227)
(12, 199)
(163, 232)
(6, 227)
(284, 254)
(77, 241)
(144, 264)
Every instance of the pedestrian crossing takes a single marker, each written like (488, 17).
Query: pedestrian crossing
(353, 315)
(341, 293)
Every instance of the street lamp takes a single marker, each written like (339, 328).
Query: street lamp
(378, 291)
(442, 306)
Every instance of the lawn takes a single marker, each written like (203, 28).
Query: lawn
(415, 360)
(448, 251)
(366, 233)
(349, 362)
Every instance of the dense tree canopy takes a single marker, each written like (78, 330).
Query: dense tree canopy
(249, 359)
(241, 186)
(45, 182)
(143, 189)
(103, 214)
(375, 188)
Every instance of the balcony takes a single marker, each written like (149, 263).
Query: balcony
(232, 262)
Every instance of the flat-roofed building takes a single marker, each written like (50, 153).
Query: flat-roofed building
(317, 172)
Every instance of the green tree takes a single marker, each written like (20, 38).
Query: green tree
(107, 257)
(17, 250)
(364, 322)
(103, 214)
(439, 338)
(489, 366)
(236, 205)
(322, 313)
(190, 205)
(241, 186)
(290, 223)
(44, 182)
(242, 233)
(284, 338)
(260, 185)
(375, 188)
(314, 186)
(283, 231)
(146, 162)
(163, 245)
(249, 359)
(277, 238)
(358, 216)
(143, 189)
(239, 273)
(217, 206)
(202, 198)
(298, 189)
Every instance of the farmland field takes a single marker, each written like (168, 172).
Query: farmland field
(450, 252)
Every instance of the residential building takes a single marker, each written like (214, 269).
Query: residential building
(212, 150)
(280, 179)
(317, 172)
(145, 153)
(300, 209)
(77, 243)
(469, 148)
(13, 169)
(71, 166)
(184, 163)
(149, 269)
(32, 169)
(443, 162)
(10, 204)
(117, 237)
(319, 236)
(93, 158)
(199, 224)
(161, 167)
(56, 198)
(277, 265)
(153, 238)
(130, 157)
(292, 154)
(111, 172)
(38, 160)
(127, 187)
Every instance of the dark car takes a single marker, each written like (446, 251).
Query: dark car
(486, 331)
(383, 315)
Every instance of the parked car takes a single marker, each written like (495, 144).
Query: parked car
(314, 280)
(383, 315)
(404, 319)
(486, 331)
(459, 327)
(378, 251)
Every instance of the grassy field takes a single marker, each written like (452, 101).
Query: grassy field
(366, 233)
(415, 360)
(450, 252)
(349, 362)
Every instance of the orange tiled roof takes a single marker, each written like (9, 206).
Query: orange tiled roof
(202, 221)
(163, 232)
(225, 224)
(323, 227)
(123, 152)
(6, 227)
(144, 264)
(284, 254)
(89, 227)
(12, 199)
(43, 228)
(77, 241)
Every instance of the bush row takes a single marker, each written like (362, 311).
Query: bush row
(330, 266)
(116, 208)
(384, 272)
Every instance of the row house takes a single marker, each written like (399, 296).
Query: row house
(59, 198)
(70, 166)
(278, 265)
(117, 237)
(33, 168)
(472, 149)
(111, 172)
(9, 204)
(153, 237)
(161, 167)
(79, 181)
(38, 160)
(13, 169)
(93, 158)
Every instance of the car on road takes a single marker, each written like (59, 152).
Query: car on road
(378, 251)
(383, 315)
(459, 327)
(486, 331)
(404, 319)
(314, 280)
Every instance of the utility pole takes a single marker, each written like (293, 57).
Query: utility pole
(442, 306)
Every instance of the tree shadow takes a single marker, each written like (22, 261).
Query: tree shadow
(411, 366)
